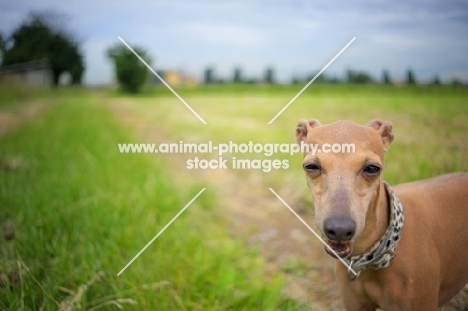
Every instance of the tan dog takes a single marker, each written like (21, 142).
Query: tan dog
(408, 256)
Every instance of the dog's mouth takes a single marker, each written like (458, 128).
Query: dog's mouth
(342, 248)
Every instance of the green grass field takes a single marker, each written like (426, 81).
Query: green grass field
(429, 122)
(73, 208)
(78, 207)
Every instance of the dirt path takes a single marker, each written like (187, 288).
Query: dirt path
(11, 119)
(256, 215)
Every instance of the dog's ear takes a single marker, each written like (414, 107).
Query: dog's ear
(384, 128)
(303, 127)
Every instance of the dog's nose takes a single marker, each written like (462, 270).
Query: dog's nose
(339, 228)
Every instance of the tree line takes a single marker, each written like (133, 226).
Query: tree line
(43, 35)
(352, 77)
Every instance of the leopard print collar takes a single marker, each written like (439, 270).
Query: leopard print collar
(382, 252)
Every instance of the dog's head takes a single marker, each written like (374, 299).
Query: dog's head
(343, 168)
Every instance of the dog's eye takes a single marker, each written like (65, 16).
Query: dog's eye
(371, 169)
(313, 168)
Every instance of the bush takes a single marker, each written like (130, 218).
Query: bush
(131, 73)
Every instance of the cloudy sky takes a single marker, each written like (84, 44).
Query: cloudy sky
(295, 37)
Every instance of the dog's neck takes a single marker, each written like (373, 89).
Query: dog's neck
(377, 221)
(388, 210)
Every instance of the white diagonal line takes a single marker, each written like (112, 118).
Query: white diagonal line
(162, 230)
(312, 230)
(162, 80)
(313, 79)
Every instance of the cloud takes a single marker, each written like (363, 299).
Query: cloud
(298, 36)
(400, 41)
(219, 33)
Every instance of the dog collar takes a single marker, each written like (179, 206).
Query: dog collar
(382, 252)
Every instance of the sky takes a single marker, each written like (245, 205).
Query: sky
(296, 38)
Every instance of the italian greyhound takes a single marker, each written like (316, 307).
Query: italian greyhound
(408, 244)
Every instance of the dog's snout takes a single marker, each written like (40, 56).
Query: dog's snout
(339, 228)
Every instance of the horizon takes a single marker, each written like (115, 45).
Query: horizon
(296, 38)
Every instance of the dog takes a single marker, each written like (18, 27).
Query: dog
(408, 244)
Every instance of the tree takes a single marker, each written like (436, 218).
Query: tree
(295, 80)
(410, 78)
(358, 77)
(129, 70)
(269, 75)
(209, 76)
(41, 36)
(436, 80)
(3, 45)
(457, 82)
(386, 77)
(237, 76)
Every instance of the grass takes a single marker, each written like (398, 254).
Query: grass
(74, 211)
(13, 96)
(429, 122)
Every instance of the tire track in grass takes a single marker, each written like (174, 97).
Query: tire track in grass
(9, 120)
(254, 215)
